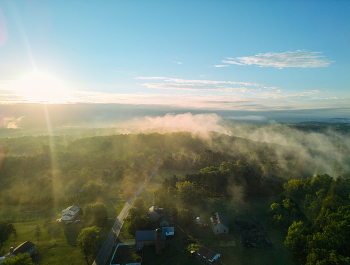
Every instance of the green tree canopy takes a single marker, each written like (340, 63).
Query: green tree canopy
(20, 259)
(6, 230)
(96, 214)
(87, 241)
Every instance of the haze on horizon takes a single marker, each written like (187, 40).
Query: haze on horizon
(243, 60)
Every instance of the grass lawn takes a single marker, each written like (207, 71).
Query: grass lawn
(161, 174)
(57, 244)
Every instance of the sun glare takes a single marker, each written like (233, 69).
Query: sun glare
(41, 88)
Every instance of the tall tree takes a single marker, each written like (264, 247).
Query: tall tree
(87, 241)
(38, 233)
(6, 230)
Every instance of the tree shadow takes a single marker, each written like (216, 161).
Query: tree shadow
(71, 232)
(53, 229)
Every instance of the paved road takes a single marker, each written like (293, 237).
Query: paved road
(107, 246)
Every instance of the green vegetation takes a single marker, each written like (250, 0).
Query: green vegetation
(6, 230)
(322, 238)
(96, 214)
(196, 177)
(20, 259)
(87, 241)
(137, 217)
(58, 240)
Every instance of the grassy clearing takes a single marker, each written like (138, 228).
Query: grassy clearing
(57, 243)
(161, 174)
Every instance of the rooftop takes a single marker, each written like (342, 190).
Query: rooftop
(72, 208)
(207, 253)
(218, 218)
(148, 235)
(156, 209)
(22, 248)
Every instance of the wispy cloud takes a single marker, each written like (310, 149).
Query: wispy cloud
(302, 59)
(220, 65)
(194, 87)
(194, 81)
(176, 62)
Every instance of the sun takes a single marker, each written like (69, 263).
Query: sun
(41, 88)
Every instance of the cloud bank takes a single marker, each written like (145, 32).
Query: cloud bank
(196, 124)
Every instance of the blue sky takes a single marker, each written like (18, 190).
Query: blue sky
(211, 55)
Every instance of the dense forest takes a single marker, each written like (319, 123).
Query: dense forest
(61, 166)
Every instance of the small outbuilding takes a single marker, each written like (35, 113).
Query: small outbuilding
(169, 231)
(219, 224)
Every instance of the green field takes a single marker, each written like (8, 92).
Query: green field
(57, 244)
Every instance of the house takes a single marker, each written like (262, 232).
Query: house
(169, 231)
(207, 254)
(154, 213)
(147, 238)
(25, 247)
(219, 224)
(70, 213)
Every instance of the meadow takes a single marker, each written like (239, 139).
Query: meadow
(57, 242)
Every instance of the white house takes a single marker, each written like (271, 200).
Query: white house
(69, 213)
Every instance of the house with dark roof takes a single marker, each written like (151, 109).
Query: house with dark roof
(147, 238)
(25, 247)
(154, 213)
(208, 255)
(219, 224)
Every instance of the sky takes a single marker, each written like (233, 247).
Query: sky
(254, 57)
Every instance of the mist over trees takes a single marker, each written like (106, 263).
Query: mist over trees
(53, 169)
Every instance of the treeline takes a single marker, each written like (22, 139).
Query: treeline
(317, 212)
